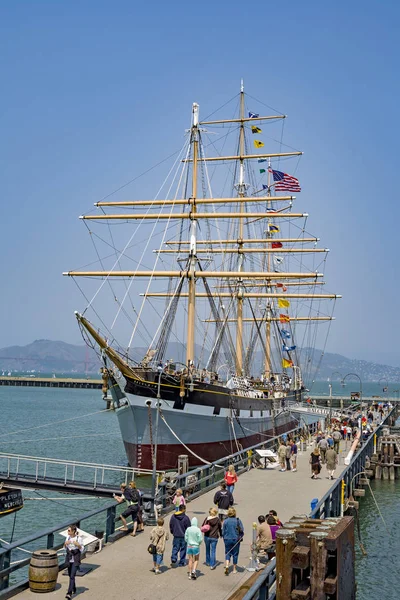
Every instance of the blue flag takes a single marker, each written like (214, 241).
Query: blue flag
(285, 334)
(288, 348)
(253, 115)
(262, 160)
(264, 187)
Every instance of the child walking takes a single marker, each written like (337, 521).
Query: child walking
(193, 538)
(179, 499)
(158, 537)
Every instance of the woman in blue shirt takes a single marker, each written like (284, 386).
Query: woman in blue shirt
(232, 534)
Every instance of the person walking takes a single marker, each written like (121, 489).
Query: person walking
(232, 533)
(212, 530)
(193, 539)
(323, 447)
(132, 498)
(223, 499)
(230, 479)
(74, 548)
(282, 456)
(331, 462)
(158, 537)
(315, 462)
(288, 455)
(293, 453)
(178, 524)
(337, 436)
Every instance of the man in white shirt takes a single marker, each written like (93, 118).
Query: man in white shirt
(74, 548)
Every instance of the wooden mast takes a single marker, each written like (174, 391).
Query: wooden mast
(267, 364)
(241, 193)
(193, 236)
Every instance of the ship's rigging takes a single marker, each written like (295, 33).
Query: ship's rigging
(219, 250)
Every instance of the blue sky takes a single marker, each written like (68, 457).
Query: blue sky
(95, 92)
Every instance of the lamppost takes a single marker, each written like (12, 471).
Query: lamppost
(152, 520)
(361, 404)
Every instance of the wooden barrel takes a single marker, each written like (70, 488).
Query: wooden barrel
(43, 571)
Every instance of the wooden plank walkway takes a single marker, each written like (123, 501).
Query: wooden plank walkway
(125, 566)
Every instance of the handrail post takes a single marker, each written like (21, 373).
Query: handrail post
(110, 521)
(5, 561)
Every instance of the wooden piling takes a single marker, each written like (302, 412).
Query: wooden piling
(285, 544)
(318, 564)
(385, 473)
(392, 473)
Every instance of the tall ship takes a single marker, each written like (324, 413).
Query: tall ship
(204, 303)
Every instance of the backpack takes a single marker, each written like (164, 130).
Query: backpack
(152, 549)
(239, 530)
(336, 436)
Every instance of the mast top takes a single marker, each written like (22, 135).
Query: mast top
(195, 114)
(242, 85)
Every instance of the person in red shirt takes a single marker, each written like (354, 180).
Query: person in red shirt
(230, 478)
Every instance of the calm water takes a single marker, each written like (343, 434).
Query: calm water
(41, 420)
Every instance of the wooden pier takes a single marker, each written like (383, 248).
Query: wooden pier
(53, 382)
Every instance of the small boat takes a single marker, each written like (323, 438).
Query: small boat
(11, 500)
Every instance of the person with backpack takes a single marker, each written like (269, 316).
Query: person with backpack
(232, 534)
(131, 497)
(193, 539)
(223, 499)
(158, 537)
(336, 440)
(178, 524)
(212, 530)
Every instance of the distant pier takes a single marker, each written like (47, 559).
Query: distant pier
(56, 382)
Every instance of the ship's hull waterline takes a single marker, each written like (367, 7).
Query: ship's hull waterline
(207, 435)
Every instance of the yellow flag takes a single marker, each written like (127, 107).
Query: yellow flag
(255, 129)
(283, 303)
(286, 363)
(258, 144)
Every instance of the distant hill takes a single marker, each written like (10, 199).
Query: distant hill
(59, 357)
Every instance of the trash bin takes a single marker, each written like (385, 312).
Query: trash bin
(43, 571)
(314, 503)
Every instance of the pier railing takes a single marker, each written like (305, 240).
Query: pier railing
(46, 537)
(65, 474)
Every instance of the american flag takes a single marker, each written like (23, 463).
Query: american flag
(285, 182)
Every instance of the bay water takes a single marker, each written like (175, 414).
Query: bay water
(73, 424)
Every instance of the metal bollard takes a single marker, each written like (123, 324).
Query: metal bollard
(253, 564)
